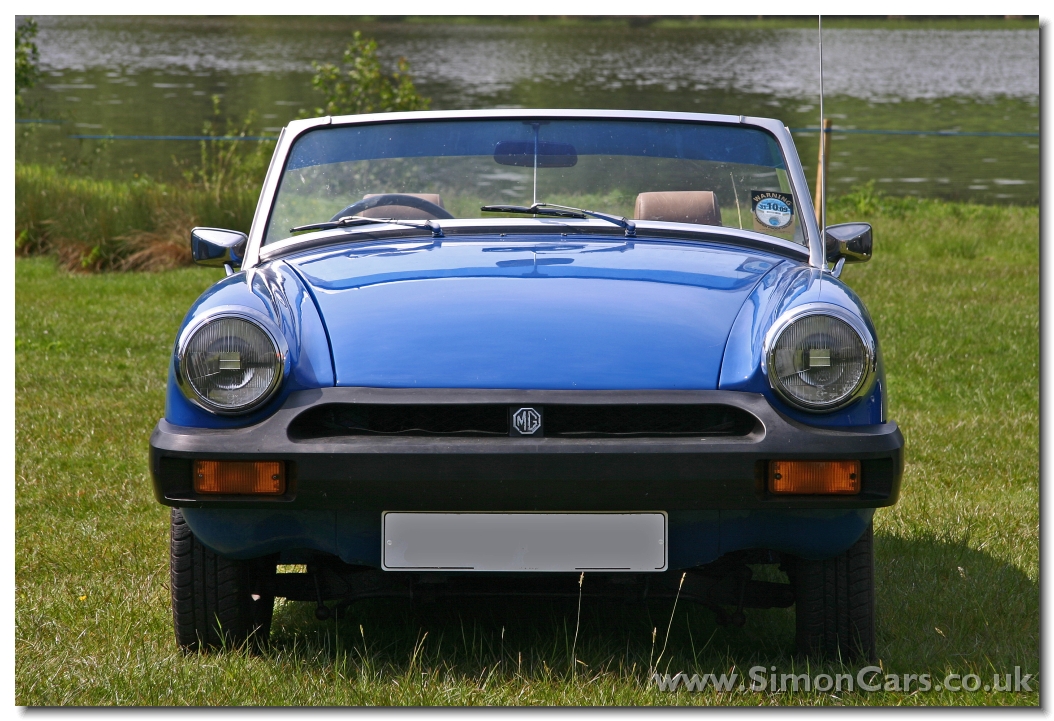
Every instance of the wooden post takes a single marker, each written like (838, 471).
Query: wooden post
(822, 156)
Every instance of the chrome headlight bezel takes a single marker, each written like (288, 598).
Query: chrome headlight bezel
(277, 339)
(854, 321)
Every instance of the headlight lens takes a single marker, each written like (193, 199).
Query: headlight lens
(230, 364)
(819, 361)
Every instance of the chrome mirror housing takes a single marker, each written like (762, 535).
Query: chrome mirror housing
(851, 241)
(217, 247)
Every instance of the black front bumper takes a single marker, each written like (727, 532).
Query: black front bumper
(379, 473)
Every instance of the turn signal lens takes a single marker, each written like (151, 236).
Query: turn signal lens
(814, 477)
(262, 478)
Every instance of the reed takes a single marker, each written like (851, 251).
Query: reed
(107, 225)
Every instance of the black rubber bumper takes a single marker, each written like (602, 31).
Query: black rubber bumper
(383, 473)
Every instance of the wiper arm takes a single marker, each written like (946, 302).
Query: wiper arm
(564, 211)
(352, 220)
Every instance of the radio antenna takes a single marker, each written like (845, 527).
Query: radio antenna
(823, 148)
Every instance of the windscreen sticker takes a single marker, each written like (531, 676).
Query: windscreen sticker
(772, 210)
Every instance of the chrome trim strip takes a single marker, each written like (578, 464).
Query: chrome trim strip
(263, 209)
(867, 380)
(806, 210)
(270, 187)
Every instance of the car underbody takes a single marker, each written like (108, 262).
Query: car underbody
(726, 586)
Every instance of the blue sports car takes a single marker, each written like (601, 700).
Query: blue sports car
(487, 352)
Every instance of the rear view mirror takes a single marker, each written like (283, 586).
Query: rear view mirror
(851, 241)
(217, 247)
(521, 153)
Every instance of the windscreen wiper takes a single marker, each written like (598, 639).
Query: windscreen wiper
(349, 221)
(563, 211)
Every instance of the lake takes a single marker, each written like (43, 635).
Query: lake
(157, 75)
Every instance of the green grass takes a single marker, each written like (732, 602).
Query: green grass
(953, 290)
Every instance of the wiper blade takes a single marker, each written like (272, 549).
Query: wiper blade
(534, 210)
(349, 221)
(564, 211)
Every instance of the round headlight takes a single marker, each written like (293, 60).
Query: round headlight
(820, 359)
(229, 365)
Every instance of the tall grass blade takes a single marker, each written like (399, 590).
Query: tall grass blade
(670, 624)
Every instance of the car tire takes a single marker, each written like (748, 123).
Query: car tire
(217, 602)
(835, 603)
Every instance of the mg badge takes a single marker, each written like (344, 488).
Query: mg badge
(527, 421)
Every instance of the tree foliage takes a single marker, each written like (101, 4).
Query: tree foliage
(27, 57)
(360, 85)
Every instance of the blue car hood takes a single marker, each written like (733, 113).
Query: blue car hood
(519, 313)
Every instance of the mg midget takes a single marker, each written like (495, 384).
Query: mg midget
(492, 351)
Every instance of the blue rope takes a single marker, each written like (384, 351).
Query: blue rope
(174, 137)
(949, 133)
(845, 131)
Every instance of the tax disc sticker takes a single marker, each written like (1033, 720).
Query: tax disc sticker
(772, 210)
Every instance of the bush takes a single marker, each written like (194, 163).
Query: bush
(361, 85)
(27, 58)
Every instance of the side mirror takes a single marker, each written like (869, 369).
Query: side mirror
(851, 241)
(217, 247)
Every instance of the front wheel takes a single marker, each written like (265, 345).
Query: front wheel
(217, 602)
(835, 603)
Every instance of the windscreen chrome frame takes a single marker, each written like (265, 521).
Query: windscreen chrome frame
(289, 135)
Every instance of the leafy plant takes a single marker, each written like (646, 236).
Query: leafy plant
(229, 165)
(360, 84)
(865, 200)
(27, 58)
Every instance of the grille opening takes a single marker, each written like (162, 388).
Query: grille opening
(369, 419)
(492, 420)
(627, 421)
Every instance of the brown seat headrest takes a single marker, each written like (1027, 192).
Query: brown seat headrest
(679, 206)
(401, 212)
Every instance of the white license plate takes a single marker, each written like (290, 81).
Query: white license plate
(524, 541)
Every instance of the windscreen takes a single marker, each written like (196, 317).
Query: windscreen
(704, 174)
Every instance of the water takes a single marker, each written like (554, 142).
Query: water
(156, 76)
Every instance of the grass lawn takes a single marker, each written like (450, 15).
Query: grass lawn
(954, 292)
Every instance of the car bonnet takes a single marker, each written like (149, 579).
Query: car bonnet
(520, 312)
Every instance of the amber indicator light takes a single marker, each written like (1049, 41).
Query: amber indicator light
(261, 478)
(814, 477)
